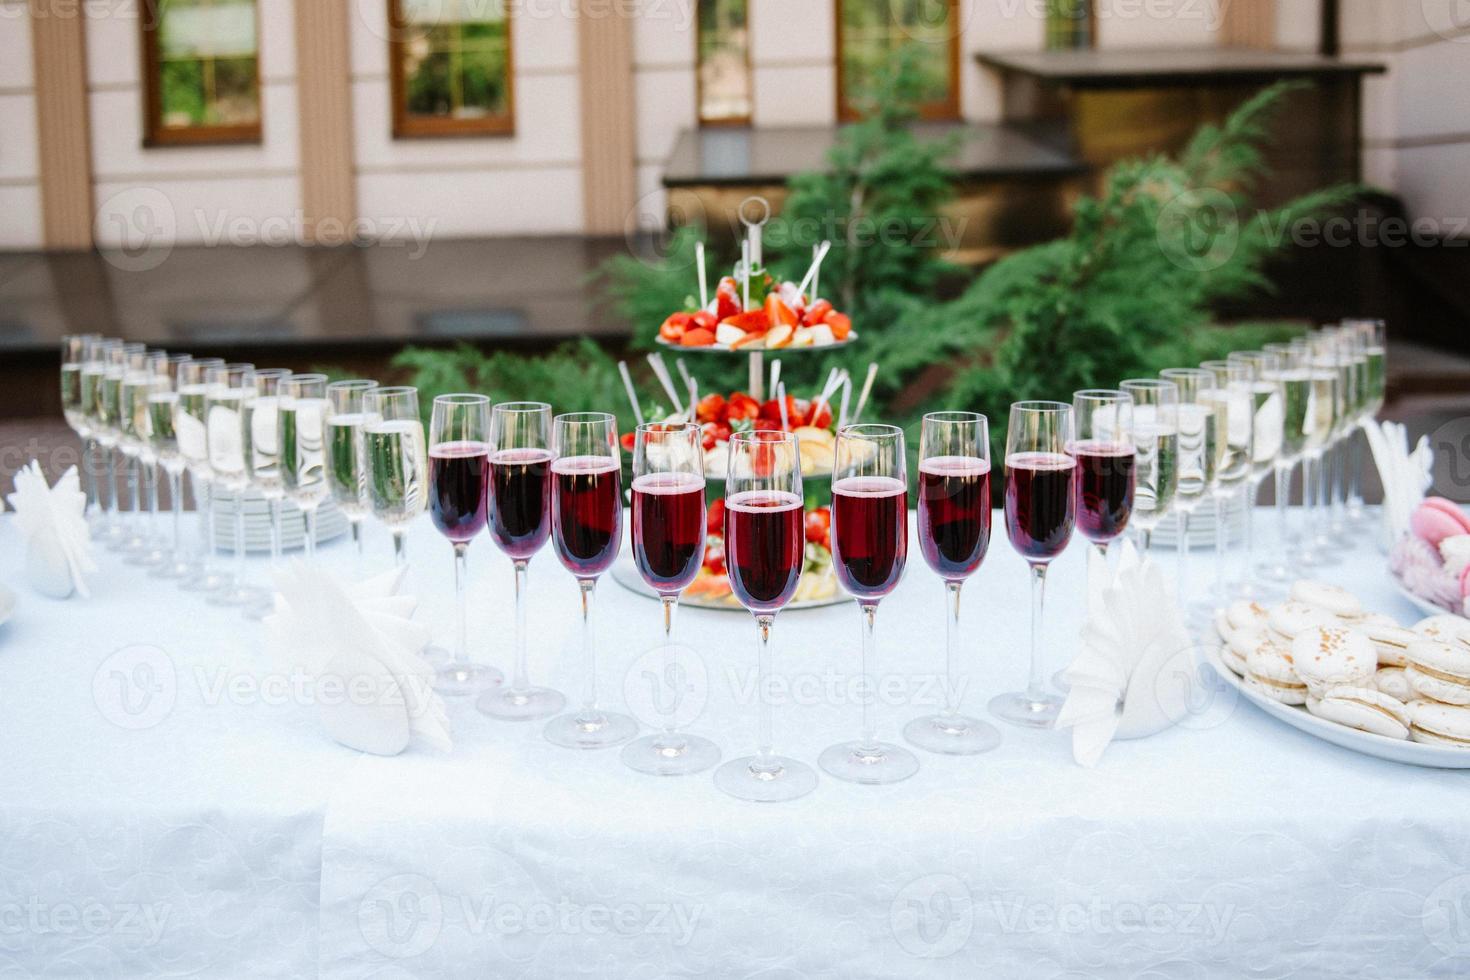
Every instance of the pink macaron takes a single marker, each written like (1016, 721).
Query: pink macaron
(1465, 582)
(1436, 519)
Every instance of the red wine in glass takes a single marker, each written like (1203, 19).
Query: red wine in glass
(458, 474)
(763, 547)
(954, 514)
(589, 513)
(520, 500)
(870, 533)
(668, 529)
(1040, 510)
(1105, 481)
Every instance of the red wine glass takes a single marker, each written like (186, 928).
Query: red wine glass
(1040, 514)
(519, 504)
(870, 536)
(954, 534)
(459, 472)
(764, 541)
(587, 531)
(668, 549)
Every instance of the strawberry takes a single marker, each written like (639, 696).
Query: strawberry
(628, 440)
(778, 312)
(840, 323)
(816, 313)
(673, 328)
(818, 527)
(821, 417)
(697, 338)
(712, 408)
(705, 320)
(727, 298)
(754, 321)
(742, 406)
(714, 522)
(714, 556)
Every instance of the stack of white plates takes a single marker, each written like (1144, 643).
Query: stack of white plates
(330, 522)
(1202, 528)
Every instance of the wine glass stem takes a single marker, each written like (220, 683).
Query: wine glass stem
(111, 486)
(1219, 501)
(1183, 583)
(239, 538)
(1310, 475)
(951, 648)
(1249, 545)
(867, 737)
(1283, 478)
(153, 498)
(671, 606)
(275, 532)
(400, 556)
(176, 501)
(461, 581)
(521, 681)
(1034, 689)
(89, 474)
(208, 521)
(308, 514)
(588, 588)
(133, 514)
(356, 526)
(765, 751)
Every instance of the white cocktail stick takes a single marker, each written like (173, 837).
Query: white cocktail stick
(693, 399)
(811, 273)
(867, 390)
(683, 371)
(781, 400)
(632, 393)
(846, 397)
(699, 263)
(661, 371)
(745, 275)
(775, 374)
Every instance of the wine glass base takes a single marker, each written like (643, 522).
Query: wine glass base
(171, 569)
(1060, 682)
(437, 657)
(602, 731)
(1254, 589)
(462, 680)
(234, 595)
(204, 581)
(671, 755)
(526, 704)
(260, 608)
(872, 765)
(1274, 572)
(149, 558)
(773, 780)
(1026, 711)
(953, 735)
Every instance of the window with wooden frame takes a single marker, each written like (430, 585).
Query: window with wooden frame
(201, 72)
(869, 31)
(722, 53)
(1070, 24)
(450, 65)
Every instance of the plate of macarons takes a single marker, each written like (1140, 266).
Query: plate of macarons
(1323, 664)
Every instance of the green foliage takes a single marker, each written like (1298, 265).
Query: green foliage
(576, 377)
(644, 290)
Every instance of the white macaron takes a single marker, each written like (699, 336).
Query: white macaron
(1445, 628)
(1439, 671)
(1293, 616)
(1391, 642)
(1439, 724)
(1364, 709)
(1243, 614)
(1333, 656)
(1395, 683)
(1338, 601)
(1269, 670)
(1223, 629)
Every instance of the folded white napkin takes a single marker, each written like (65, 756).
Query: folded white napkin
(1405, 475)
(1134, 630)
(53, 522)
(362, 638)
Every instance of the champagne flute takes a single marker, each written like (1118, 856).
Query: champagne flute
(520, 522)
(300, 434)
(264, 466)
(459, 478)
(1324, 411)
(162, 378)
(870, 536)
(1234, 381)
(75, 353)
(1295, 381)
(587, 531)
(346, 420)
(127, 362)
(190, 419)
(397, 468)
(94, 365)
(1266, 419)
(137, 434)
(1155, 438)
(669, 525)
(229, 390)
(763, 552)
(1200, 422)
(1369, 341)
(1106, 473)
(1040, 514)
(163, 405)
(954, 534)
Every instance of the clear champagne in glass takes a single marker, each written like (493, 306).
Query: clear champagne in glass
(264, 464)
(163, 406)
(1155, 439)
(229, 391)
(346, 420)
(301, 434)
(190, 420)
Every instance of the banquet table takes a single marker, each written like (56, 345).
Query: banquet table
(170, 806)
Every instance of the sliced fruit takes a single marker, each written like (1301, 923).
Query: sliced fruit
(816, 313)
(727, 298)
(727, 333)
(779, 336)
(803, 337)
(704, 319)
(749, 341)
(673, 328)
(778, 312)
(822, 335)
(840, 323)
(754, 321)
(697, 338)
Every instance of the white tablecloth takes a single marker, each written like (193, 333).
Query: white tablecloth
(169, 806)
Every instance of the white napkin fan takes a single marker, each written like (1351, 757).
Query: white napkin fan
(54, 524)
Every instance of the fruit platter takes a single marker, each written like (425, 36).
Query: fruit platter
(719, 417)
(766, 315)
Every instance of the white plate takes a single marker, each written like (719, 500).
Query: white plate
(1424, 605)
(625, 573)
(1392, 749)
